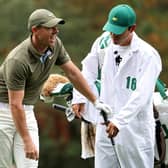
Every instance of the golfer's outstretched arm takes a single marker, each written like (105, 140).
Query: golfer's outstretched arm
(79, 82)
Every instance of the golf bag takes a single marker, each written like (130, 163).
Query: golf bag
(161, 118)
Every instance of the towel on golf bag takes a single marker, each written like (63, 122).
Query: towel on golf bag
(90, 114)
(88, 131)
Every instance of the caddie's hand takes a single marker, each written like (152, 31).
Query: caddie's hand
(78, 109)
(103, 107)
(112, 130)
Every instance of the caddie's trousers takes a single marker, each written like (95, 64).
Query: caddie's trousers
(11, 144)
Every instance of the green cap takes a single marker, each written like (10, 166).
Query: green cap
(120, 18)
(43, 17)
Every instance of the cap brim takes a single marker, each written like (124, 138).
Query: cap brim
(114, 28)
(53, 22)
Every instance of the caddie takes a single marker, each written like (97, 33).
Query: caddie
(129, 73)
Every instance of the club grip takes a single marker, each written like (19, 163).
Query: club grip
(59, 107)
(104, 115)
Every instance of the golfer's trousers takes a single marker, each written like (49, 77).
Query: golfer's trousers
(11, 144)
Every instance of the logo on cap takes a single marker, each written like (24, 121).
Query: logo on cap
(50, 14)
(114, 18)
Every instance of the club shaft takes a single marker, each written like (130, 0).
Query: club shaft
(59, 107)
(111, 138)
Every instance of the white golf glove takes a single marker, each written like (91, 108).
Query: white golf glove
(103, 107)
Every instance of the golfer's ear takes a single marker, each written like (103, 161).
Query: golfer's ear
(34, 29)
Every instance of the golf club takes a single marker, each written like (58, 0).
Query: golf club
(104, 115)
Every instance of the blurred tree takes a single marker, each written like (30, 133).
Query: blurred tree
(13, 16)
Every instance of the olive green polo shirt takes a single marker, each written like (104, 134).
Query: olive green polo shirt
(24, 70)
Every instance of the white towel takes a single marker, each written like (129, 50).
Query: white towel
(88, 131)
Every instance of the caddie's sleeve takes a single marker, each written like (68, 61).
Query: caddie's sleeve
(90, 64)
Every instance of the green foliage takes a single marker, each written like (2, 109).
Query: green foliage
(13, 14)
(55, 155)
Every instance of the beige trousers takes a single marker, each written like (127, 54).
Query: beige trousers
(11, 144)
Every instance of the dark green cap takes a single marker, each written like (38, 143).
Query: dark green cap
(43, 17)
(120, 18)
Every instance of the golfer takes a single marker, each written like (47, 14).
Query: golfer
(22, 75)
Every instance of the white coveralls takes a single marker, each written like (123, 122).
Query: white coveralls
(129, 92)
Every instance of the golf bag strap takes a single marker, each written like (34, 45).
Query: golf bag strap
(161, 88)
(160, 139)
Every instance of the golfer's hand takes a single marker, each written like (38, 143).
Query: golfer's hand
(31, 150)
(111, 129)
(78, 109)
(103, 107)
